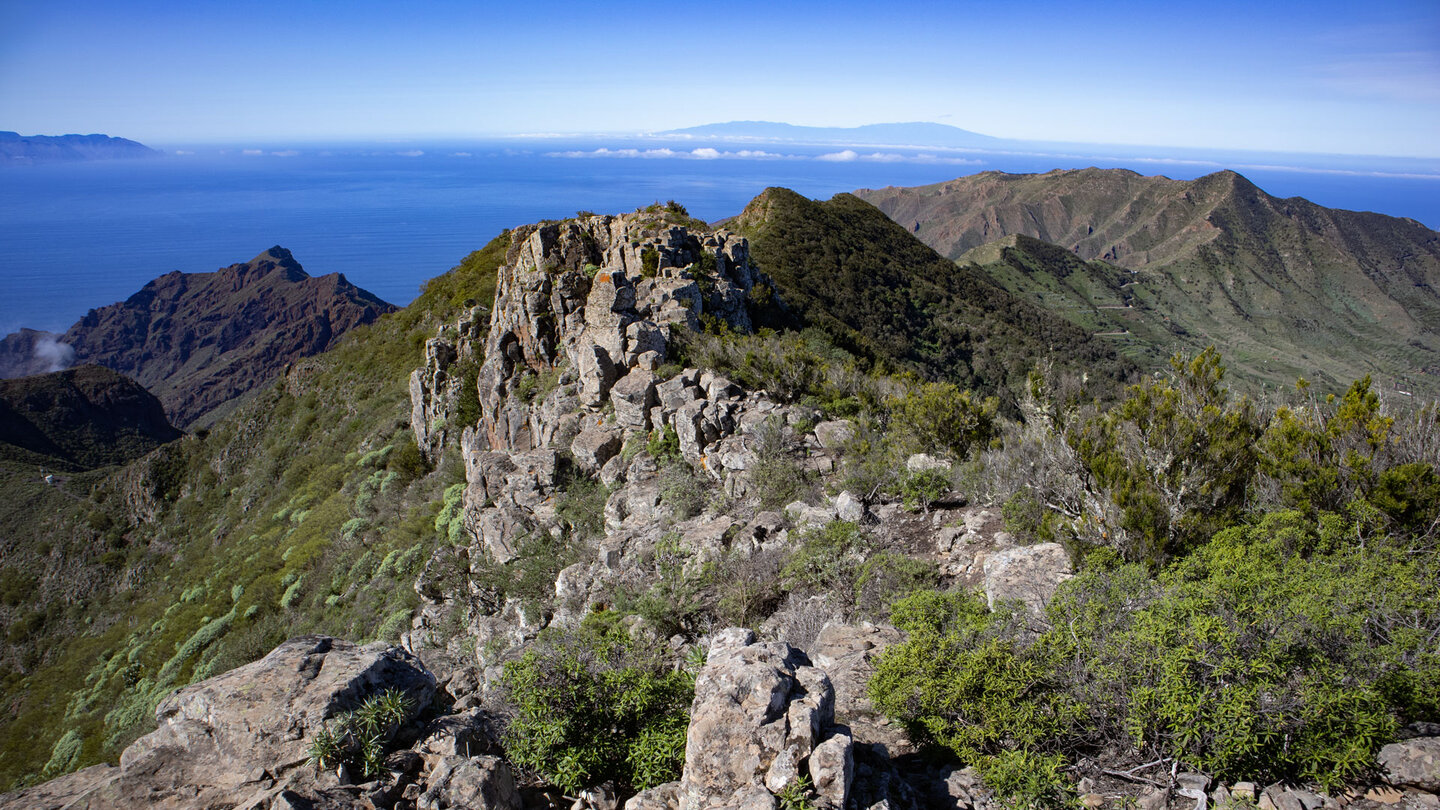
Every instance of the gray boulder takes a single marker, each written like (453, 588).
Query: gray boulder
(243, 737)
(1413, 763)
(1028, 574)
(482, 782)
(759, 712)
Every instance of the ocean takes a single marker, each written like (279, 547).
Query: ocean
(390, 216)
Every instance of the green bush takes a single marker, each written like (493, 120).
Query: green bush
(358, 739)
(582, 507)
(664, 445)
(1177, 458)
(888, 576)
(922, 488)
(1280, 650)
(649, 262)
(682, 490)
(775, 476)
(940, 417)
(826, 559)
(596, 704)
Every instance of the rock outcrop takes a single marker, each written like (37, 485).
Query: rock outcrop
(1413, 763)
(243, 738)
(762, 720)
(574, 371)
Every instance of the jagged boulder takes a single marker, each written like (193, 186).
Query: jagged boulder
(634, 396)
(760, 712)
(471, 782)
(242, 737)
(1413, 763)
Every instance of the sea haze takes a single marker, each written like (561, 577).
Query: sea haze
(390, 216)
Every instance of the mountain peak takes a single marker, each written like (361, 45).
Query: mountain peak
(274, 259)
(199, 340)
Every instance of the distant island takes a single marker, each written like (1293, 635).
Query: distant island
(26, 149)
(911, 134)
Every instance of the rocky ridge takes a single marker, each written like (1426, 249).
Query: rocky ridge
(572, 377)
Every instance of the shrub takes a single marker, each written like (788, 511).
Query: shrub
(664, 445)
(941, 417)
(776, 477)
(358, 739)
(888, 576)
(582, 507)
(922, 488)
(682, 490)
(1279, 650)
(1176, 457)
(595, 704)
(826, 559)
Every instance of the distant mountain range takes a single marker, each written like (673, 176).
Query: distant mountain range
(1283, 287)
(198, 341)
(911, 134)
(20, 149)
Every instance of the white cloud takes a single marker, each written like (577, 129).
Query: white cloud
(287, 153)
(705, 153)
(850, 156)
(252, 151)
(411, 153)
(56, 355)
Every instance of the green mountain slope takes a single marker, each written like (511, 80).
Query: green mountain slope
(1283, 287)
(308, 509)
(1110, 303)
(842, 266)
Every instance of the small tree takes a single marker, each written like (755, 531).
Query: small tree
(1176, 458)
(941, 417)
(595, 704)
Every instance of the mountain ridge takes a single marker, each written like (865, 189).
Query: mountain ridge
(82, 418)
(17, 149)
(1284, 287)
(200, 340)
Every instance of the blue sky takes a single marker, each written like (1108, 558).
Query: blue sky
(1342, 77)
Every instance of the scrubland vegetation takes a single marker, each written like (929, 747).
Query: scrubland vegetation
(1258, 592)
(1258, 589)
